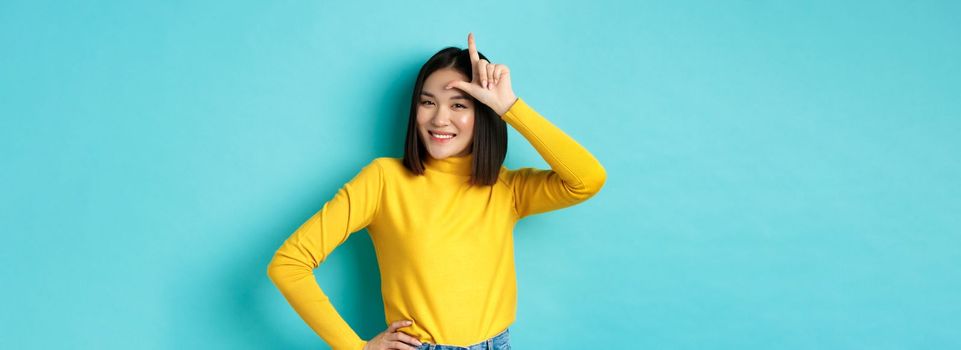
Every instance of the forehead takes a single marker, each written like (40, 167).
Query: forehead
(441, 77)
(435, 82)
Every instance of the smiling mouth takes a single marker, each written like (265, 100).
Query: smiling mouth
(441, 137)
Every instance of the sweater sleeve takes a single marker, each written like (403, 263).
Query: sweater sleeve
(351, 209)
(575, 174)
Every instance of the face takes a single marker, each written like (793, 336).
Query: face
(445, 118)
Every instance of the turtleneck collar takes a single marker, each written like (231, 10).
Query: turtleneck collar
(451, 165)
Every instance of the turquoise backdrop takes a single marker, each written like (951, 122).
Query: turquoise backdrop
(781, 175)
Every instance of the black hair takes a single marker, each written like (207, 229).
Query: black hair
(489, 145)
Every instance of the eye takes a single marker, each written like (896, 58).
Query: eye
(426, 103)
(458, 105)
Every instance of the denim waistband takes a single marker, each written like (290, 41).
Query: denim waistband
(501, 341)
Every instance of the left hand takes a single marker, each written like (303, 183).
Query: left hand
(490, 84)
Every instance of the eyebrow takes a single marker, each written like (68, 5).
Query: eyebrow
(455, 97)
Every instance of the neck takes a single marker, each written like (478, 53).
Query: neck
(458, 165)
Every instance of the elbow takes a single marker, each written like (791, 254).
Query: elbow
(596, 182)
(272, 270)
(283, 269)
(277, 269)
(282, 275)
(592, 184)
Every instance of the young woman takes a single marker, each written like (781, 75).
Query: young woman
(442, 217)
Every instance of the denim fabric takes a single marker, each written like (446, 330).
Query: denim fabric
(501, 341)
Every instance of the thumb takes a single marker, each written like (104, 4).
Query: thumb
(464, 86)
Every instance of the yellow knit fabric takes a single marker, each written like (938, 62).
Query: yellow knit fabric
(445, 248)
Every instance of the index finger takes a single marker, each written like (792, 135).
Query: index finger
(474, 57)
(398, 324)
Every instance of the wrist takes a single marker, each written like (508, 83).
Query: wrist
(503, 110)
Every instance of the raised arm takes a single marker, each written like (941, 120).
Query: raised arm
(575, 174)
(351, 209)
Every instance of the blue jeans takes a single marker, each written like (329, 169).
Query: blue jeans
(501, 341)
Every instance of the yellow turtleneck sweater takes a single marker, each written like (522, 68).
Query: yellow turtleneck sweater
(445, 249)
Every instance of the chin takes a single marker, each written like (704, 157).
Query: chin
(441, 154)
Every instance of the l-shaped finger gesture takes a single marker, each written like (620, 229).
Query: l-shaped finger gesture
(490, 83)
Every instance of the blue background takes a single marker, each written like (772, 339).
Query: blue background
(780, 175)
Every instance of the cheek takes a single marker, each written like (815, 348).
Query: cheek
(422, 118)
(465, 122)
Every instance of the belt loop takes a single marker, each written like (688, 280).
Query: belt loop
(490, 344)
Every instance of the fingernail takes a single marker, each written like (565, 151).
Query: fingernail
(408, 322)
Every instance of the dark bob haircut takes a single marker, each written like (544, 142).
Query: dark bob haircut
(489, 146)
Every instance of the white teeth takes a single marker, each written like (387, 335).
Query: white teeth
(442, 136)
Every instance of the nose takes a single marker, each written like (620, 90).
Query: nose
(441, 117)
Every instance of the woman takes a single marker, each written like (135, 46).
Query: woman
(442, 218)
